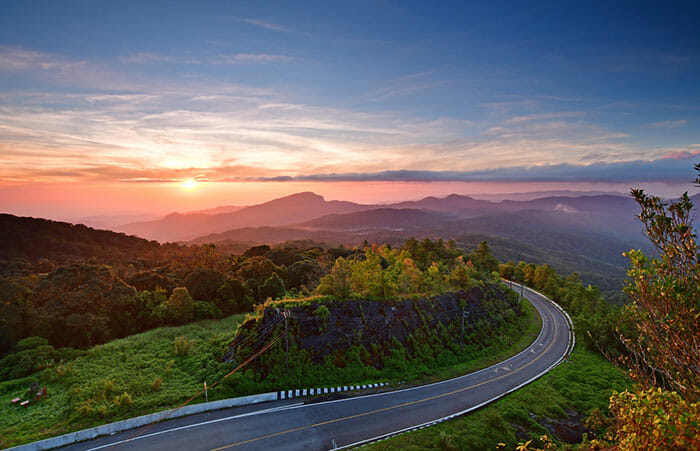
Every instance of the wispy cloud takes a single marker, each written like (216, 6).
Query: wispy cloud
(161, 130)
(544, 116)
(252, 58)
(236, 58)
(19, 59)
(402, 86)
(265, 24)
(669, 124)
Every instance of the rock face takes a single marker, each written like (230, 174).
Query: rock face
(336, 326)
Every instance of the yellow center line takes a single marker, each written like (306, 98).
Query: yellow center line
(442, 395)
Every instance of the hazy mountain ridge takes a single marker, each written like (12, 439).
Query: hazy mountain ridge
(304, 207)
(278, 212)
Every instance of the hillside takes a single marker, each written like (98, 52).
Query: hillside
(35, 238)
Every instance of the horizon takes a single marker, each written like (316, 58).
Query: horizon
(150, 109)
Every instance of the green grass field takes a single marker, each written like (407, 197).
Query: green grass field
(90, 390)
(582, 383)
(164, 367)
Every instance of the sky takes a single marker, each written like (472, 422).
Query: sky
(151, 107)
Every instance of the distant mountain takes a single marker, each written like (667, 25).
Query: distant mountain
(531, 195)
(286, 210)
(601, 204)
(587, 233)
(216, 210)
(398, 219)
(298, 209)
(453, 203)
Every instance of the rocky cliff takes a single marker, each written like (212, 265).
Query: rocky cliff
(322, 328)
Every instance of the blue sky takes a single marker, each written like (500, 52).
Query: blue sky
(111, 92)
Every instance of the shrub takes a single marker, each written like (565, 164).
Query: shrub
(123, 400)
(655, 419)
(182, 345)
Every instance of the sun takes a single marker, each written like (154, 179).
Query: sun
(189, 184)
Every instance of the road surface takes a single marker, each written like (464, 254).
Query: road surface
(304, 424)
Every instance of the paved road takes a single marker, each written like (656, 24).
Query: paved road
(293, 424)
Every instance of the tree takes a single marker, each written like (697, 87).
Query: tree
(180, 306)
(483, 260)
(273, 287)
(234, 297)
(337, 282)
(202, 284)
(664, 349)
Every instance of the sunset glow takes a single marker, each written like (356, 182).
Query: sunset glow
(254, 94)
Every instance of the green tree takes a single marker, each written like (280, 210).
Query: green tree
(233, 296)
(273, 287)
(180, 306)
(483, 260)
(202, 284)
(337, 282)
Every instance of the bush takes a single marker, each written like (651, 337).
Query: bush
(183, 346)
(123, 400)
(655, 419)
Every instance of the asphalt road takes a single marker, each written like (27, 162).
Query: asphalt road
(305, 424)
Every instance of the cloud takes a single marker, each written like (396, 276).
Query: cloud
(662, 170)
(266, 25)
(252, 58)
(237, 58)
(669, 124)
(17, 59)
(544, 116)
(402, 86)
(682, 154)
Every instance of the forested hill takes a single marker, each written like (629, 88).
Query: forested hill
(34, 239)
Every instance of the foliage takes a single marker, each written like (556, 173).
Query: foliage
(664, 346)
(596, 320)
(273, 287)
(483, 260)
(655, 419)
(384, 273)
(233, 296)
(202, 284)
(147, 367)
(180, 306)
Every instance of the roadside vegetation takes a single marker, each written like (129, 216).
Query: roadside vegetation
(578, 388)
(162, 368)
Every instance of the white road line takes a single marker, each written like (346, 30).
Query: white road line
(204, 423)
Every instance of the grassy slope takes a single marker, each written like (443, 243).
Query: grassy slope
(84, 395)
(82, 392)
(582, 383)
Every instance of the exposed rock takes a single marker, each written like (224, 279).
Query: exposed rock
(378, 323)
(569, 429)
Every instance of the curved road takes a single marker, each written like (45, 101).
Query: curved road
(292, 424)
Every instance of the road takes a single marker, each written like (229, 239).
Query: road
(305, 424)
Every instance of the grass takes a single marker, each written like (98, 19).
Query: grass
(503, 347)
(162, 368)
(132, 376)
(582, 383)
